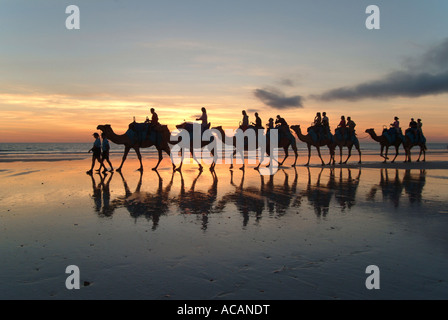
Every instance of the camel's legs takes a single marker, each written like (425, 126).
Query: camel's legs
(260, 161)
(349, 154)
(215, 159)
(179, 168)
(422, 151)
(296, 155)
(408, 157)
(233, 157)
(160, 159)
(126, 151)
(309, 154)
(340, 154)
(396, 153)
(168, 152)
(139, 156)
(382, 152)
(244, 161)
(195, 159)
(320, 156)
(385, 156)
(332, 161)
(286, 155)
(359, 151)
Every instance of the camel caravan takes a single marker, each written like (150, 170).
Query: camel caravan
(251, 137)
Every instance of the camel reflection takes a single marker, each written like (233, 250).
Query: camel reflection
(343, 190)
(413, 185)
(392, 187)
(276, 199)
(197, 202)
(145, 204)
(280, 197)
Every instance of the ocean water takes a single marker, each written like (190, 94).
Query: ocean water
(15, 149)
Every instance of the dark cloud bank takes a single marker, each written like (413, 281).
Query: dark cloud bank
(277, 99)
(427, 75)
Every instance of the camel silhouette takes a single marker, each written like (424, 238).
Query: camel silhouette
(408, 145)
(384, 142)
(349, 144)
(129, 144)
(310, 142)
(187, 127)
(283, 142)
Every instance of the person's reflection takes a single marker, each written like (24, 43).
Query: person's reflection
(197, 202)
(146, 204)
(347, 187)
(107, 210)
(96, 196)
(413, 185)
(320, 195)
(391, 188)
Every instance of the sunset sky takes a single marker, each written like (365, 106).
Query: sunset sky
(287, 57)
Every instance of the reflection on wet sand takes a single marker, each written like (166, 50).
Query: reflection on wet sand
(392, 186)
(138, 203)
(276, 199)
(197, 202)
(343, 190)
(255, 195)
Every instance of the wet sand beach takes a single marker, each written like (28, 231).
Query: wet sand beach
(303, 233)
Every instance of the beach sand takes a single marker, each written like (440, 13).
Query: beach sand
(304, 233)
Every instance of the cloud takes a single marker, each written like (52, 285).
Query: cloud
(425, 75)
(252, 110)
(287, 82)
(397, 84)
(277, 99)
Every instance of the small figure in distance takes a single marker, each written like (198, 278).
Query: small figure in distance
(420, 129)
(351, 127)
(317, 119)
(280, 122)
(105, 155)
(258, 123)
(413, 126)
(396, 125)
(153, 124)
(326, 124)
(96, 149)
(317, 124)
(245, 122)
(204, 119)
(342, 125)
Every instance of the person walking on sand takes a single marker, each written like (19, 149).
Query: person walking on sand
(96, 149)
(105, 146)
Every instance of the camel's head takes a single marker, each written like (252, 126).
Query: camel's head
(369, 130)
(181, 126)
(103, 127)
(219, 128)
(295, 127)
